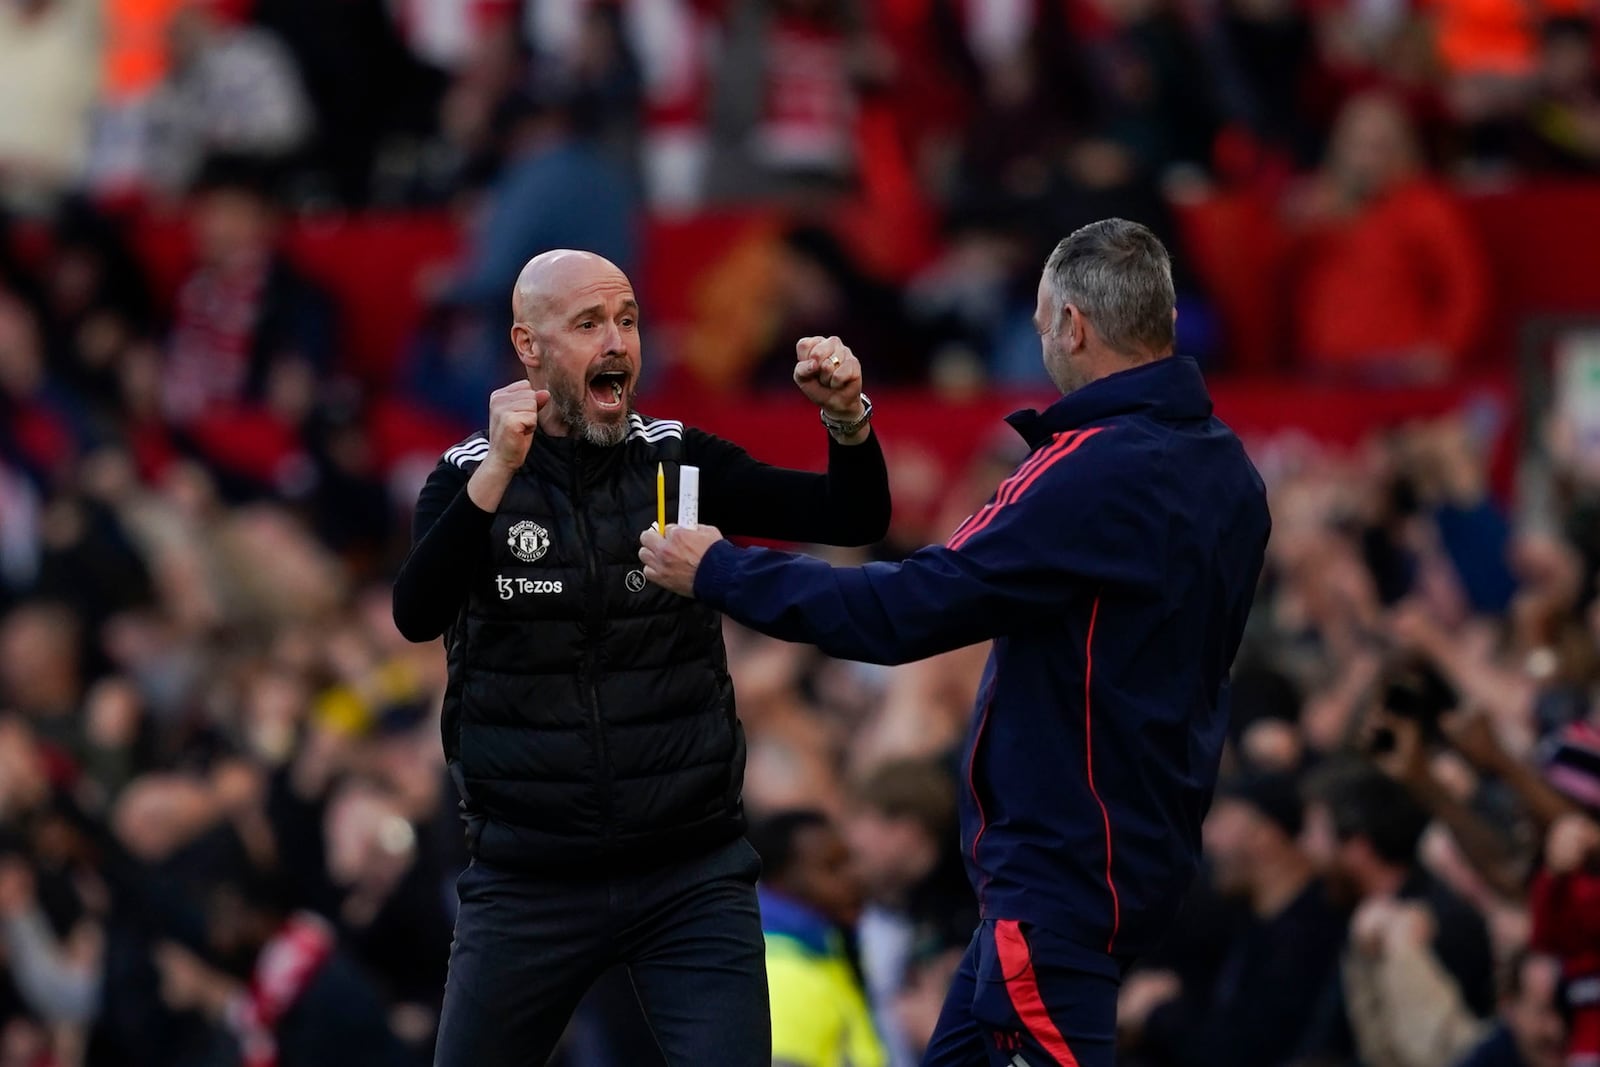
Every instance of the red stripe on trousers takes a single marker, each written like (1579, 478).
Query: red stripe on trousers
(1012, 488)
(1022, 986)
(1088, 755)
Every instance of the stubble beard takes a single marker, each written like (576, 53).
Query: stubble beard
(1062, 371)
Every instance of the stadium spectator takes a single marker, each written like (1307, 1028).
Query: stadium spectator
(369, 95)
(1417, 969)
(1278, 959)
(230, 90)
(251, 337)
(809, 900)
(305, 1004)
(1372, 231)
(786, 100)
(901, 831)
(1531, 1031)
(1566, 894)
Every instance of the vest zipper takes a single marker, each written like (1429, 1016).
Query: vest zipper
(595, 613)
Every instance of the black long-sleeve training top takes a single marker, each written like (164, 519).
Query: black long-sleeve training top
(590, 721)
(741, 496)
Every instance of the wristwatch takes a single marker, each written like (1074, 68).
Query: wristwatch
(849, 429)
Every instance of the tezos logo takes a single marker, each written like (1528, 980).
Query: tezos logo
(510, 587)
(529, 541)
(635, 581)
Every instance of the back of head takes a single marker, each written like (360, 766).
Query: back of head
(918, 790)
(1118, 274)
(776, 841)
(1365, 803)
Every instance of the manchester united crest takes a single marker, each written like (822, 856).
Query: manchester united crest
(528, 541)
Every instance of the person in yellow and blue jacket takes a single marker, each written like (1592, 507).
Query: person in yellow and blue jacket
(809, 898)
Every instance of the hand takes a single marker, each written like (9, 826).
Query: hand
(829, 374)
(513, 416)
(1472, 734)
(1572, 841)
(671, 561)
(1142, 994)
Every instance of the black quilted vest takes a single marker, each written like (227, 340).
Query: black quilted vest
(589, 719)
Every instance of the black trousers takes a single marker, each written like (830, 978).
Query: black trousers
(689, 936)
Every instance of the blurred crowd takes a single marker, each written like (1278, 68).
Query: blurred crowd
(220, 764)
(979, 131)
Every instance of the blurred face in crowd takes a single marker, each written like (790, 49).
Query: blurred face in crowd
(1372, 146)
(1235, 836)
(577, 332)
(1331, 857)
(38, 659)
(892, 854)
(21, 355)
(821, 875)
(232, 227)
(1533, 1015)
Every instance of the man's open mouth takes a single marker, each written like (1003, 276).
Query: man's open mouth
(609, 389)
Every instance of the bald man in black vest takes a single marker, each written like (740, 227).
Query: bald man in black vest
(589, 720)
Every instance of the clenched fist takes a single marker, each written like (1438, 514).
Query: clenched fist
(513, 417)
(829, 374)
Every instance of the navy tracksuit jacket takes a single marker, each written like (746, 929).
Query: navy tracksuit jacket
(1114, 570)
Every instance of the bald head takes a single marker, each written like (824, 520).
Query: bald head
(576, 331)
(553, 274)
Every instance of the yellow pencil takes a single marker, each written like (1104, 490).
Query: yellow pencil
(661, 500)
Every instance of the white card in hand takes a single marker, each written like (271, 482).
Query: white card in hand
(688, 497)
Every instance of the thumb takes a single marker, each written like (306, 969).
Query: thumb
(541, 397)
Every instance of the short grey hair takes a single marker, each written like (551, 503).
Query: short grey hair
(1119, 275)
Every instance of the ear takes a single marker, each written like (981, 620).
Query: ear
(1075, 327)
(527, 346)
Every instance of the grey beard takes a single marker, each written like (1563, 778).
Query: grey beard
(599, 434)
(604, 435)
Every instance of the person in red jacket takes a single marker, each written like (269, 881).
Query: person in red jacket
(1566, 924)
(1387, 279)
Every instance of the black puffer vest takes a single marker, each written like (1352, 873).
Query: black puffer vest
(589, 720)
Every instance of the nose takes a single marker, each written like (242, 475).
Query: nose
(614, 342)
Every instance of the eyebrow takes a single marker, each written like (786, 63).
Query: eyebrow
(595, 311)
